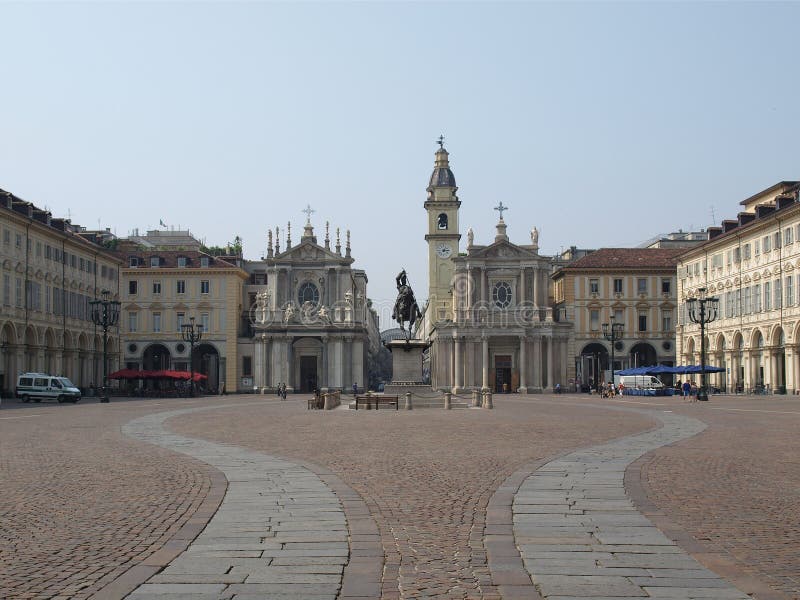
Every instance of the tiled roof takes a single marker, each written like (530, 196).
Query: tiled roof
(169, 259)
(628, 258)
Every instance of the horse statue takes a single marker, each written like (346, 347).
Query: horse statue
(405, 307)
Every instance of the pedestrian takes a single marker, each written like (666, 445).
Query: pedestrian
(278, 390)
(355, 389)
(558, 388)
(283, 392)
(687, 389)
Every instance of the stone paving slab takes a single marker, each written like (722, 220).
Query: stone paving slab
(616, 552)
(274, 513)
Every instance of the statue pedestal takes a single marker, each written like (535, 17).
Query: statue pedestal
(406, 367)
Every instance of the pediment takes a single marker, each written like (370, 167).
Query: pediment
(310, 252)
(503, 250)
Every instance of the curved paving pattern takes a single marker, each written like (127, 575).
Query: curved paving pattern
(579, 535)
(280, 531)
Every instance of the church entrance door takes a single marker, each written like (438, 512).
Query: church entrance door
(308, 373)
(502, 373)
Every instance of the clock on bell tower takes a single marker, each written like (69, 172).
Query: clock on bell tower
(442, 206)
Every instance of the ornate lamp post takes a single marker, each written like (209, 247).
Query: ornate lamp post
(191, 333)
(613, 333)
(105, 314)
(702, 315)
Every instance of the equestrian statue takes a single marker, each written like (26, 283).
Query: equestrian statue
(405, 307)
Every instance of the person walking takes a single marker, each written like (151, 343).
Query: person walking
(687, 390)
(355, 389)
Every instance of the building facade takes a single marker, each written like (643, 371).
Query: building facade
(310, 323)
(749, 264)
(51, 270)
(488, 315)
(166, 281)
(633, 286)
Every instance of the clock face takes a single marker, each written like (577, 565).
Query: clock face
(443, 250)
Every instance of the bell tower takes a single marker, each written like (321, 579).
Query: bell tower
(442, 206)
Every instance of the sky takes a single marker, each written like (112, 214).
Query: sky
(602, 124)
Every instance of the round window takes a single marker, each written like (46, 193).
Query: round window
(501, 294)
(132, 348)
(308, 292)
(180, 348)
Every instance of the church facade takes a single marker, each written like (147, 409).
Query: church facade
(311, 324)
(488, 316)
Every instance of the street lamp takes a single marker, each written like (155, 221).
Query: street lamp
(105, 314)
(613, 333)
(191, 333)
(702, 316)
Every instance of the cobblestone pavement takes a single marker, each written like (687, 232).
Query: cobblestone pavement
(80, 504)
(580, 535)
(736, 487)
(425, 475)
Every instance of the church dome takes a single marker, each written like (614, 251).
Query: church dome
(442, 175)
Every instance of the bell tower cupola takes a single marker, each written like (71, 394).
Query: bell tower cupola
(443, 235)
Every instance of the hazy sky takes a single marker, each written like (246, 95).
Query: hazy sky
(601, 124)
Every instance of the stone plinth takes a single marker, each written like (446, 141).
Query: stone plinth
(406, 367)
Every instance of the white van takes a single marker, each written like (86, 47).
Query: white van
(639, 382)
(40, 386)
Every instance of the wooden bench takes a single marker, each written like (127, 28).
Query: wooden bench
(378, 401)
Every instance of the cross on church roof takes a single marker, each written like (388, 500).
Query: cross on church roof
(500, 208)
(309, 211)
(440, 141)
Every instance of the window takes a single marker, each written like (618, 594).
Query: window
(766, 244)
(767, 296)
(6, 290)
(181, 261)
(789, 291)
(204, 261)
(737, 255)
(133, 322)
(180, 286)
(179, 320)
(728, 258)
(48, 252)
(205, 286)
(747, 307)
(776, 240)
(594, 286)
(501, 294)
(7, 237)
(716, 261)
(307, 292)
(757, 247)
(787, 236)
(247, 366)
(728, 304)
(205, 321)
(618, 286)
(666, 320)
(18, 295)
(155, 261)
(757, 298)
(594, 318)
(157, 322)
(82, 265)
(18, 241)
(133, 287)
(38, 249)
(441, 221)
(777, 294)
(641, 285)
(156, 288)
(666, 286)
(746, 249)
(642, 321)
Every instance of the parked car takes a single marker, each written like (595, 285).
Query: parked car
(40, 386)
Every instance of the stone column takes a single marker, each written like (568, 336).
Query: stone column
(521, 293)
(550, 363)
(323, 368)
(358, 364)
(485, 363)
(290, 379)
(790, 370)
(523, 366)
(258, 362)
(458, 375)
(537, 364)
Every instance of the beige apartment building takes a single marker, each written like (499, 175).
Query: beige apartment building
(749, 264)
(634, 286)
(166, 281)
(50, 271)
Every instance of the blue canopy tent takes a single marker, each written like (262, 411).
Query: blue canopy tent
(659, 369)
